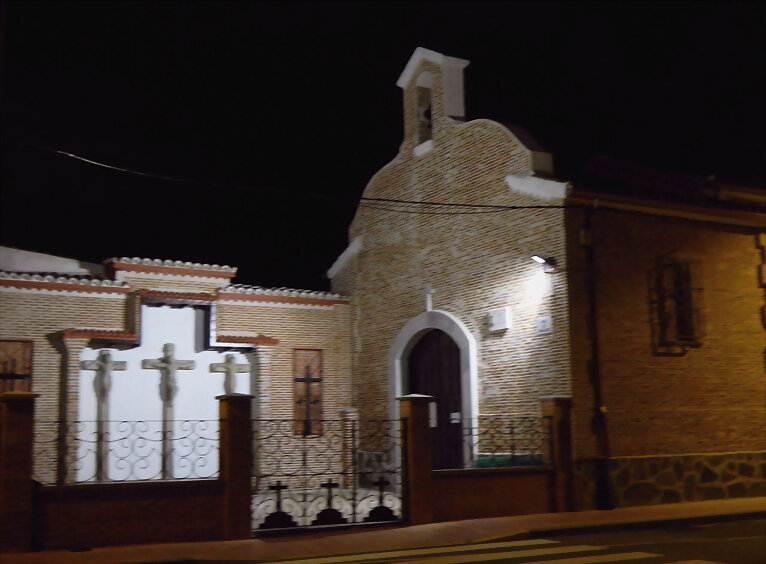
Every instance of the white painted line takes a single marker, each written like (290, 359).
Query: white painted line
(488, 556)
(416, 552)
(696, 562)
(604, 558)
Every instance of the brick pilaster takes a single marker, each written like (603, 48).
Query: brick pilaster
(557, 412)
(416, 459)
(16, 438)
(236, 463)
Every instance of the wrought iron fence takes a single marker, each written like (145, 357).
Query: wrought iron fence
(122, 451)
(348, 474)
(493, 441)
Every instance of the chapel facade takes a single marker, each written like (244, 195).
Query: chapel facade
(634, 295)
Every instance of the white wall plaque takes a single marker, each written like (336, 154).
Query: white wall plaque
(499, 319)
(544, 324)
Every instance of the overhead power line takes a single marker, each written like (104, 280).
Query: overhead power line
(421, 207)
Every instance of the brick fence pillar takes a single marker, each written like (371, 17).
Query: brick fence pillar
(350, 421)
(557, 412)
(17, 411)
(416, 459)
(236, 463)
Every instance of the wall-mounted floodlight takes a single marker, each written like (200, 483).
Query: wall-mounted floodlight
(548, 263)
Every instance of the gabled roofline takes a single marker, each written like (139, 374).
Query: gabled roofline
(420, 54)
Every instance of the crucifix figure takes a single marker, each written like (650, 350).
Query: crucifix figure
(102, 384)
(308, 380)
(230, 368)
(167, 365)
(428, 293)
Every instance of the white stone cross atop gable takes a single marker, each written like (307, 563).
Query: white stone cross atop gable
(230, 368)
(167, 365)
(428, 293)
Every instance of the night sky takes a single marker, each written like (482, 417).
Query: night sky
(279, 114)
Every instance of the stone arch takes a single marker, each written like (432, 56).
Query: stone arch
(409, 335)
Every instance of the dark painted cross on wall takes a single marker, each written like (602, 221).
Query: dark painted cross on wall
(307, 392)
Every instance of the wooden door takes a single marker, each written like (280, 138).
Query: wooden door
(434, 369)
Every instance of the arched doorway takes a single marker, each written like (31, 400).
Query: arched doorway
(398, 364)
(433, 368)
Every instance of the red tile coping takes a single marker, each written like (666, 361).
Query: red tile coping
(63, 286)
(170, 295)
(109, 335)
(262, 340)
(177, 270)
(280, 299)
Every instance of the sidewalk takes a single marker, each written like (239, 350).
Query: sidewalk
(421, 536)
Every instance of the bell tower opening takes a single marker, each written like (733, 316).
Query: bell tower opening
(425, 127)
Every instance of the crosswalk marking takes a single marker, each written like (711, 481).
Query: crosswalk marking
(417, 552)
(492, 551)
(603, 558)
(486, 556)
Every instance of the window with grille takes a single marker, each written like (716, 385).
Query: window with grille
(677, 304)
(307, 392)
(15, 366)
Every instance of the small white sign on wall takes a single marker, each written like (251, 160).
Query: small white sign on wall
(544, 324)
(499, 319)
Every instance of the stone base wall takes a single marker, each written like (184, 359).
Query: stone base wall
(650, 480)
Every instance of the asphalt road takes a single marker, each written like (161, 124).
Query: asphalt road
(734, 542)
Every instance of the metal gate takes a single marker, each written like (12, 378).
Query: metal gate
(349, 473)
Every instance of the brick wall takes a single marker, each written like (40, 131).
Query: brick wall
(90, 515)
(475, 262)
(170, 283)
(40, 317)
(708, 399)
(304, 327)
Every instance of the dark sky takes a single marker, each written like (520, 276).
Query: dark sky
(266, 104)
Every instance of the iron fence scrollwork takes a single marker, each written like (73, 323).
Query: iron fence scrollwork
(350, 474)
(125, 451)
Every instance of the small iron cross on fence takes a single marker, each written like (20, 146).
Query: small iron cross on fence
(306, 399)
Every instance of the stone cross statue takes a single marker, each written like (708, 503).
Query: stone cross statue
(167, 364)
(230, 368)
(428, 293)
(102, 384)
